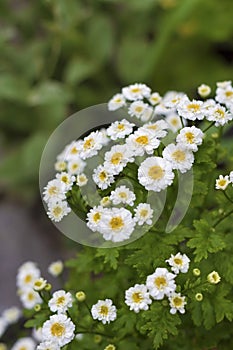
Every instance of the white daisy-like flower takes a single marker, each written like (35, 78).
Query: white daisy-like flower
(117, 158)
(105, 138)
(58, 329)
(138, 298)
(154, 98)
(116, 102)
(57, 210)
(140, 110)
(190, 138)
(219, 115)
(143, 140)
(136, 92)
(222, 182)
(55, 190)
(122, 195)
(39, 284)
(224, 84)
(71, 151)
(60, 301)
(177, 303)
(27, 274)
(12, 314)
(116, 224)
(67, 179)
(48, 345)
(155, 174)
(208, 106)
(76, 166)
(143, 214)
(91, 144)
(60, 165)
(213, 277)
(103, 177)
(94, 217)
(174, 121)
(191, 110)
(120, 129)
(56, 268)
(179, 157)
(224, 93)
(161, 283)
(104, 311)
(81, 180)
(158, 129)
(204, 90)
(25, 343)
(172, 98)
(3, 326)
(29, 298)
(179, 263)
(37, 334)
(231, 177)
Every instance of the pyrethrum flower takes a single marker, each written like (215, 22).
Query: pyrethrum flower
(140, 110)
(158, 128)
(60, 301)
(104, 311)
(27, 274)
(25, 343)
(94, 217)
(179, 157)
(76, 166)
(48, 345)
(117, 158)
(138, 298)
(136, 92)
(177, 303)
(155, 174)
(142, 141)
(179, 263)
(59, 329)
(191, 110)
(120, 129)
(224, 93)
(213, 277)
(116, 102)
(103, 177)
(91, 144)
(174, 121)
(55, 190)
(39, 284)
(81, 180)
(155, 98)
(67, 179)
(143, 214)
(29, 298)
(161, 283)
(222, 182)
(219, 115)
(123, 195)
(57, 210)
(56, 268)
(12, 314)
(190, 138)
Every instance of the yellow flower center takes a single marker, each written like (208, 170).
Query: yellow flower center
(135, 90)
(229, 93)
(220, 113)
(89, 143)
(177, 301)
(57, 329)
(160, 282)
(137, 297)
(174, 121)
(156, 172)
(74, 150)
(116, 158)
(102, 175)
(96, 217)
(152, 127)
(189, 137)
(65, 179)
(23, 348)
(123, 195)
(60, 300)
(52, 190)
(144, 213)
(194, 107)
(74, 166)
(222, 182)
(178, 261)
(139, 109)
(142, 140)
(28, 278)
(38, 284)
(179, 156)
(116, 223)
(57, 211)
(118, 100)
(120, 127)
(104, 310)
(31, 296)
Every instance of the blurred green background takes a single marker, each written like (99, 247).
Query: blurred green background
(60, 56)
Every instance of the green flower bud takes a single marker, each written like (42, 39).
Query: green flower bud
(80, 296)
(199, 296)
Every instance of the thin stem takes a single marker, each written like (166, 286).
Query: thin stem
(227, 197)
(223, 218)
(94, 332)
(209, 126)
(88, 308)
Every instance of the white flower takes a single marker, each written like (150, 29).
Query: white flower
(75, 166)
(123, 195)
(191, 110)
(179, 157)
(55, 190)
(94, 217)
(116, 224)
(3, 326)
(104, 311)
(222, 182)
(190, 138)
(105, 139)
(224, 93)
(116, 102)
(60, 301)
(67, 179)
(157, 128)
(25, 343)
(138, 298)
(219, 115)
(120, 129)
(174, 121)
(140, 110)
(29, 298)
(155, 174)
(48, 345)
(57, 210)
(204, 90)
(177, 303)
(37, 334)
(161, 283)
(12, 315)
(224, 84)
(56, 268)
(27, 274)
(58, 329)
(143, 140)
(39, 284)
(70, 152)
(143, 214)
(103, 177)
(91, 144)
(172, 98)
(117, 158)
(60, 165)
(231, 177)
(155, 98)
(81, 180)
(136, 92)
(179, 263)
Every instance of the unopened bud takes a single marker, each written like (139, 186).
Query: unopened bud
(199, 296)
(80, 296)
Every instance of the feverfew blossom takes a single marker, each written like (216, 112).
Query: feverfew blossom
(67, 179)
(219, 115)
(143, 214)
(117, 158)
(25, 343)
(60, 301)
(136, 92)
(104, 311)
(119, 129)
(29, 298)
(190, 138)
(103, 177)
(142, 141)
(179, 263)
(59, 329)
(57, 210)
(140, 110)
(55, 190)
(48, 345)
(191, 110)
(222, 182)
(12, 314)
(27, 274)
(81, 180)
(161, 283)
(174, 121)
(39, 284)
(116, 102)
(56, 268)
(172, 99)
(123, 195)
(177, 303)
(70, 152)
(76, 166)
(138, 298)
(179, 157)
(155, 98)
(224, 93)
(91, 144)
(94, 217)
(155, 174)
(213, 277)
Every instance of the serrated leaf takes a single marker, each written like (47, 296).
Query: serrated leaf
(110, 256)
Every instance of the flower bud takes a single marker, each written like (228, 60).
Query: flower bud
(40, 284)
(213, 277)
(196, 272)
(48, 287)
(199, 296)
(97, 339)
(110, 347)
(37, 307)
(80, 296)
(204, 90)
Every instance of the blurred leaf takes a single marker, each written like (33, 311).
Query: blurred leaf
(79, 69)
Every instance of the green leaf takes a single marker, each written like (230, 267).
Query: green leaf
(208, 314)
(110, 256)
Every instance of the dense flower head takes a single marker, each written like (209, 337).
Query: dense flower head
(12, 314)
(179, 263)
(56, 268)
(25, 343)
(161, 283)
(177, 303)
(60, 301)
(120, 129)
(104, 311)
(59, 329)
(136, 92)
(222, 182)
(190, 138)
(143, 214)
(179, 157)
(116, 102)
(138, 298)
(123, 195)
(213, 277)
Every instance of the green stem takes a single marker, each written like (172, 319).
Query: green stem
(209, 126)
(223, 218)
(227, 197)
